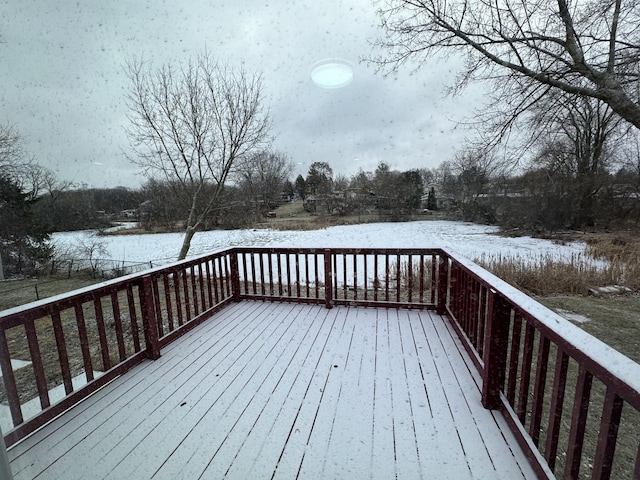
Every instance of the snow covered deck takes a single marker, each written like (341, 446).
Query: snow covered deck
(284, 390)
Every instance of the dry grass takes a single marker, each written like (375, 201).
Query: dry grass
(547, 275)
(317, 222)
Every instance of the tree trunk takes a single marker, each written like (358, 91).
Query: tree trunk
(186, 242)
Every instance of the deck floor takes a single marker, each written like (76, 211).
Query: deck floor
(271, 390)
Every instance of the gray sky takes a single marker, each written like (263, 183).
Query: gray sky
(63, 86)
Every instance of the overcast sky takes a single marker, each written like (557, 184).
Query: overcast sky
(62, 82)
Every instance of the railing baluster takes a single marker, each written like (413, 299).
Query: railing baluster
(345, 284)
(306, 272)
(63, 357)
(185, 296)
(578, 423)
(525, 372)
(421, 285)
(226, 262)
(386, 278)
(201, 283)
(133, 318)
(472, 310)
(167, 301)
(194, 291)
(482, 318)
(235, 274)
(178, 296)
(245, 273)
(609, 423)
(297, 260)
(254, 280)
(410, 278)
(279, 262)
(117, 319)
(365, 260)
(36, 361)
(102, 333)
(555, 410)
(539, 387)
(84, 341)
(317, 274)
(270, 264)
(514, 357)
(157, 306)
(443, 284)
(355, 277)
(288, 264)
(9, 379)
(337, 275)
(454, 297)
(262, 281)
(434, 278)
(208, 266)
(398, 277)
(328, 279)
(376, 280)
(495, 349)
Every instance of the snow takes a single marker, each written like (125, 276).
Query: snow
(16, 364)
(574, 317)
(471, 240)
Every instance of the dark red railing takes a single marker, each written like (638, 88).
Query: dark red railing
(406, 278)
(569, 398)
(572, 402)
(93, 335)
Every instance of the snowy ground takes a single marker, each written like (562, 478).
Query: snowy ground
(470, 240)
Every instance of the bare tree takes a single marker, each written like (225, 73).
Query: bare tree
(476, 171)
(190, 124)
(11, 152)
(580, 138)
(262, 177)
(587, 48)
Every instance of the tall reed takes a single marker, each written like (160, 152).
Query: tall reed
(547, 274)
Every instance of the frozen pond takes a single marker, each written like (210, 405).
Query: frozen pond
(470, 240)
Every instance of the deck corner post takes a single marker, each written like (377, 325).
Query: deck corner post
(443, 281)
(328, 279)
(495, 350)
(147, 306)
(235, 276)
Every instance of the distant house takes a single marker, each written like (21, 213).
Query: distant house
(129, 213)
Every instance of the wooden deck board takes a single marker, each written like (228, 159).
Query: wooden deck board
(268, 390)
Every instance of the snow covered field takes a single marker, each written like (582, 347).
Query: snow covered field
(470, 240)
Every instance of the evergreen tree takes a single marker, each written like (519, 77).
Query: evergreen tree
(432, 203)
(23, 239)
(320, 178)
(301, 187)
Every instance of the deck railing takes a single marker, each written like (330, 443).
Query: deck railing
(78, 342)
(572, 402)
(567, 396)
